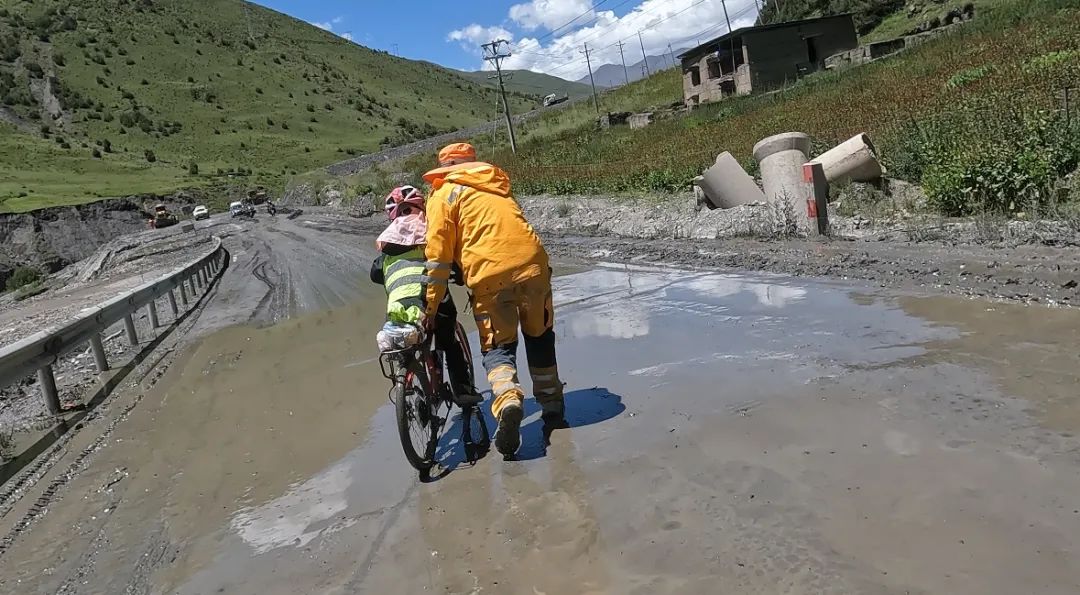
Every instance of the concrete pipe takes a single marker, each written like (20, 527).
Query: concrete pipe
(726, 184)
(781, 158)
(853, 160)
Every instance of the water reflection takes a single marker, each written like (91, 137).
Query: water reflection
(321, 504)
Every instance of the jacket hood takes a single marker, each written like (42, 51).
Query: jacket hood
(409, 230)
(481, 176)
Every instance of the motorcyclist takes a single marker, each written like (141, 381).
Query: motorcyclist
(475, 223)
(400, 268)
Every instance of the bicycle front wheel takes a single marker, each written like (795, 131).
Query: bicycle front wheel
(416, 423)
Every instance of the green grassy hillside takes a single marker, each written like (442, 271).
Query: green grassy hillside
(125, 96)
(976, 117)
(532, 83)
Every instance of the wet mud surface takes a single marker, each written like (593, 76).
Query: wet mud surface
(1026, 274)
(728, 433)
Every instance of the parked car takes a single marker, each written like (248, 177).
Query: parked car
(200, 212)
(241, 209)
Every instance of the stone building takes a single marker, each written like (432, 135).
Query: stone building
(756, 59)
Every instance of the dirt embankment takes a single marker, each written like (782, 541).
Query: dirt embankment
(53, 238)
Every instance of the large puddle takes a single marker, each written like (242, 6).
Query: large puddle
(729, 433)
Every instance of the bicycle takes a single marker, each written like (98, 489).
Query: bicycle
(419, 393)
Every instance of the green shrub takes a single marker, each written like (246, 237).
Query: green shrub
(1052, 61)
(969, 76)
(22, 277)
(150, 156)
(985, 162)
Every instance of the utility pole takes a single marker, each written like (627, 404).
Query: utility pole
(731, 42)
(626, 72)
(645, 58)
(495, 52)
(588, 61)
(395, 47)
(671, 54)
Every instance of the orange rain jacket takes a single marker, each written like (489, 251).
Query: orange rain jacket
(473, 220)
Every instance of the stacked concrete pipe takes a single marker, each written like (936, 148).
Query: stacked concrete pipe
(854, 160)
(781, 158)
(726, 184)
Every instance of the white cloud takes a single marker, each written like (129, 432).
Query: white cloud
(474, 35)
(681, 23)
(329, 26)
(552, 14)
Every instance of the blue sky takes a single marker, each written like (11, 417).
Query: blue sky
(546, 35)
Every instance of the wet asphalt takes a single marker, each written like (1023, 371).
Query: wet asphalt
(728, 433)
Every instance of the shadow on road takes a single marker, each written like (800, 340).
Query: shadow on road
(583, 408)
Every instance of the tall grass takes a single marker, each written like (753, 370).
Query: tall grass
(983, 95)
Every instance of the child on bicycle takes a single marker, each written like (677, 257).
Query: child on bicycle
(400, 267)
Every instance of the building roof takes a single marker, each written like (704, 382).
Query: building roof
(744, 30)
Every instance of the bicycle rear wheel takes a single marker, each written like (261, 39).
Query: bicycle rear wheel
(416, 423)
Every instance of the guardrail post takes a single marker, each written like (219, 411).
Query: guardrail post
(194, 290)
(132, 336)
(203, 276)
(183, 292)
(154, 321)
(172, 304)
(98, 348)
(47, 382)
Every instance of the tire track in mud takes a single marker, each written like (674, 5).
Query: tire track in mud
(259, 271)
(368, 563)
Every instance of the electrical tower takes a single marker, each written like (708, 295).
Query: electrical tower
(494, 53)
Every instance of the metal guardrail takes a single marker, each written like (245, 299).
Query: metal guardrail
(38, 353)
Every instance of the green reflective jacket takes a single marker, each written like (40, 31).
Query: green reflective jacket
(404, 282)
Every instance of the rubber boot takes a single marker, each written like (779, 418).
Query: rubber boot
(548, 389)
(508, 408)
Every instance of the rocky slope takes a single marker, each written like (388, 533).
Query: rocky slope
(50, 239)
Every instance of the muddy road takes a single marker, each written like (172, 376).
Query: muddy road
(734, 433)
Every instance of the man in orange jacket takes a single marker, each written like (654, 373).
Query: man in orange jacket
(474, 221)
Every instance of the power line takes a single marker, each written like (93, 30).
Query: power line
(591, 10)
(593, 20)
(603, 32)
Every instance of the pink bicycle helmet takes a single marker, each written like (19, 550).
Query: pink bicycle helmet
(404, 201)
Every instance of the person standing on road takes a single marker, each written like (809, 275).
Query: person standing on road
(475, 223)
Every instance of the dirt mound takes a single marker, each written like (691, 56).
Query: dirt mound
(51, 239)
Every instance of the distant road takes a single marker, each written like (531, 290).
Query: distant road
(364, 162)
